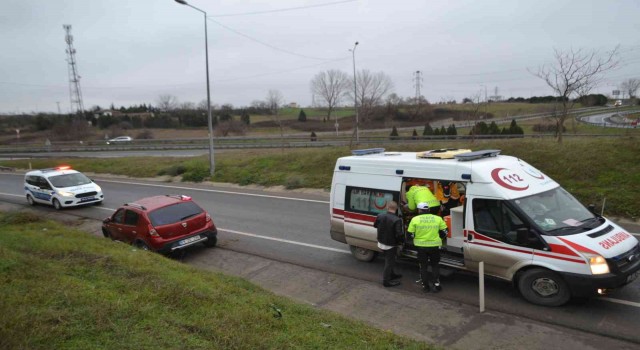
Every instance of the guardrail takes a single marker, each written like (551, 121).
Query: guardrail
(261, 142)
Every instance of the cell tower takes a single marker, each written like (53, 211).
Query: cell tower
(75, 94)
(417, 83)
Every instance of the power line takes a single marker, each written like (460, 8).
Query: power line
(284, 9)
(266, 44)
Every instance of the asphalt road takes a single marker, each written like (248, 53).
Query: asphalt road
(294, 228)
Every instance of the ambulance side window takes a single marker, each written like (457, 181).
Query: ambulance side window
(368, 200)
(495, 219)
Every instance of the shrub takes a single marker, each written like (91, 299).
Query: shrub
(197, 174)
(294, 181)
(174, 170)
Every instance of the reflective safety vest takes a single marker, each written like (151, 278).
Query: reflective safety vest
(426, 230)
(447, 190)
(421, 194)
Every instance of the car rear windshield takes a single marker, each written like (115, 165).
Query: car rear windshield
(174, 213)
(69, 180)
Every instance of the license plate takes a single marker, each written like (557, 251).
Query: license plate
(633, 276)
(86, 199)
(189, 240)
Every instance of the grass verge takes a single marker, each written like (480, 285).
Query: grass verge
(62, 288)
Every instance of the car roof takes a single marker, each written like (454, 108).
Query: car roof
(155, 202)
(51, 172)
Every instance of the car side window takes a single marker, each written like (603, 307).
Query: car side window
(131, 218)
(44, 184)
(495, 219)
(118, 217)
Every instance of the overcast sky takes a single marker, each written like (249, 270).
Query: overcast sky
(131, 51)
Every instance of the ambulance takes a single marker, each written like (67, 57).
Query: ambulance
(520, 223)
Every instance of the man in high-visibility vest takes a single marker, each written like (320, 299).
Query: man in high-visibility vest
(421, 194)
(427, 230)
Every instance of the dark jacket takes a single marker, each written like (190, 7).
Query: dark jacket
(389, 229)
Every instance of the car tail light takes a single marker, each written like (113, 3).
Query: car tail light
(208, 218)
(153, 232)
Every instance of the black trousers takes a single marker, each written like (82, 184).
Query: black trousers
(429, 256)
(389, 264)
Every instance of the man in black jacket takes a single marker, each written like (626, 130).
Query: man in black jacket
(389, 227)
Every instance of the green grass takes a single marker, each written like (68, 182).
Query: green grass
(65, 289)
(591, 168)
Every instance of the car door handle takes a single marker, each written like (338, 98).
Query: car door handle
(119, 229)
(134, 232)
(469, 237)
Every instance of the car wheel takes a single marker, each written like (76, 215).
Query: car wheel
(362, 254)
(56, 204)
(211, 242)
(543, 287)
(106, 233)
(30, 200)
(142, 246)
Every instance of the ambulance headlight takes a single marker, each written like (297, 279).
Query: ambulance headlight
(65, 194)
(598, 264)
(98, 188)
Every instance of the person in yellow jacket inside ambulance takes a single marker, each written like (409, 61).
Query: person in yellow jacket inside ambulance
(427, 230)
(420, 194)
(448, 195)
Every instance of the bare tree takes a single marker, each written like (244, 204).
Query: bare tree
(574, 74)
(630, 86)
(274, 102)
(330, 86)
(167, 102)
(371, 90)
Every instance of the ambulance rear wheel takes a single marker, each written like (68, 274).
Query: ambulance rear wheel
(362, 254)
(543, 287)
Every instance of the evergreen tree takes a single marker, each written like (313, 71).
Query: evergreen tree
(313, 136)
(245, 117)
(394, 133)
(414, 136)
(443, 131)
(428, 130)
(451, 130)
(302, 116)
(494, 129)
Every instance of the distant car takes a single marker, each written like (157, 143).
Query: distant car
(162, 224)
(618, 103)
(61, 187)
(120, 139)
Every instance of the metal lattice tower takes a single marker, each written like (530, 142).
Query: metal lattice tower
(417, 84)
(75, 94)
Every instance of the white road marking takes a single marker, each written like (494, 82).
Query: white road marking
(216, 191)
(286, 241)
(13, 195)
(624, 302)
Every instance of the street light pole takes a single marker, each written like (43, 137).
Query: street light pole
(212, 167)
(355, 92)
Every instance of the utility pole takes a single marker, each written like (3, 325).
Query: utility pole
(58, 103)
(75, 94)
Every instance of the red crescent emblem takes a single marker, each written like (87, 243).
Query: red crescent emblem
(509, 180)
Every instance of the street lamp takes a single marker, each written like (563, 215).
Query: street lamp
(355, 91)
(206, 51)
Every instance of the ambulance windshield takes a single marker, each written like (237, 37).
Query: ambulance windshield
(557, 213)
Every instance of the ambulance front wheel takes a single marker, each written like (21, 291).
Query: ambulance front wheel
(543, 287)
(362, 254)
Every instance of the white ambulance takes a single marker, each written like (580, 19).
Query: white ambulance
(518, 221)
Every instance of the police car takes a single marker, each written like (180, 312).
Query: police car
(61, 187)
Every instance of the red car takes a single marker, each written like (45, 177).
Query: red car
(162, 224)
